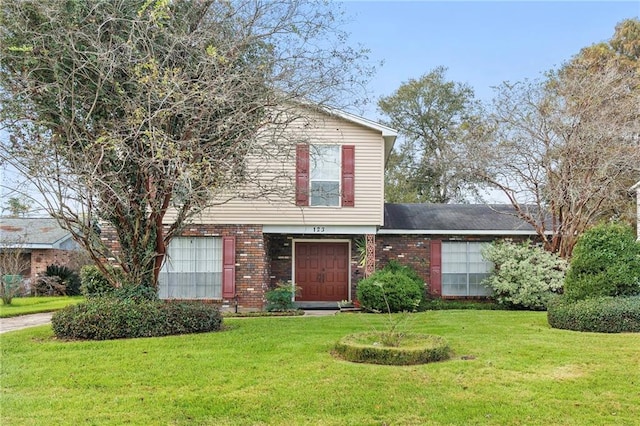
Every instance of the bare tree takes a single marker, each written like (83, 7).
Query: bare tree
(565, 150)
(14, 263)
(140, 113)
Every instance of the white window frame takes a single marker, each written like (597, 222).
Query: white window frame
(472, 270)
(314, 151)
(192, 269)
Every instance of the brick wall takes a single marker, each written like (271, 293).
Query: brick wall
(409, 250)
(40, 259)
(252, 267)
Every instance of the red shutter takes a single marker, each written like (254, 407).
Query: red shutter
(435, 280)
(228, 267)
(302, 175)
(348, 175)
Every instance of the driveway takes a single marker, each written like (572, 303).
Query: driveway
(24, 321)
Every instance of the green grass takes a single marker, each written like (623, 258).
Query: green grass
(34, 305)
(509, 368)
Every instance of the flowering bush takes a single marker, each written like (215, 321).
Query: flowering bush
(525, 275)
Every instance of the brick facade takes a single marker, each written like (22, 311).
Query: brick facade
(252, 268)
(409, 250)
(41, 258)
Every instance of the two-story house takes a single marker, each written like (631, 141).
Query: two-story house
(329, 228)
(235, 251)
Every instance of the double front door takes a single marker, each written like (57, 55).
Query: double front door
(322, 271)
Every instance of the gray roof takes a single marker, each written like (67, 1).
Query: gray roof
(33, 233)
(496, 219)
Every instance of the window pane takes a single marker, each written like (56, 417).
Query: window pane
(463, 269)
(454, 284)
(325, 162)
(475, 285)
(192, 269)
(325, 193)
(325, 175)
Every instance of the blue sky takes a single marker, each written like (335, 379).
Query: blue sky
(481, 43)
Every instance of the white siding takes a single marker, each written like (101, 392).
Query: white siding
(281, 208)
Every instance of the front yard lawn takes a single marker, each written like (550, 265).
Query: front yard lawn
(509, 368)
(35, 305)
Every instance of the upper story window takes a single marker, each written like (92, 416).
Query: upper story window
(324, 178)
(325, 175)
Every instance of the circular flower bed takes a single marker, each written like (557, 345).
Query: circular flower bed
(392, 348)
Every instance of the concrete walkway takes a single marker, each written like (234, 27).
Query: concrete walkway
(24, 321)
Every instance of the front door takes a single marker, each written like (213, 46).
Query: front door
(322, 271)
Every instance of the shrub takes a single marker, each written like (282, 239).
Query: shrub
(437, 304)
(93, 282)
(524, 276)
(401, 292)
(280, 299)
(416, 349)
(598, 314)
(605, 262)
(136, 293)
(68, 277)
(105, 318)
(398, 268)
(48, 286)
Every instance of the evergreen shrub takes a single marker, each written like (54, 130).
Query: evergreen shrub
(598, 314)
(605, 262)
(397, 288)
(106, 318)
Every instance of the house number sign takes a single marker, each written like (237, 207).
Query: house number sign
(318, 229)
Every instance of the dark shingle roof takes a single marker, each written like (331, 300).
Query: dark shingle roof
(466, 218)
(31, 232)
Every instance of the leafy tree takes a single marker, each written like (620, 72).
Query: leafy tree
(434, 116)
(565, 150)
(139, 113)
(17, 206)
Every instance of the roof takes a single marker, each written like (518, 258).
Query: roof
(32, 233)
(634, 187)
(453, 219)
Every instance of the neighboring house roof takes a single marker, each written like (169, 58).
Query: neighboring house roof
(453, 219)
(34, 233)
(634, 187)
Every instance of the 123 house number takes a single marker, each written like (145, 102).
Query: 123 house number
(318, 229)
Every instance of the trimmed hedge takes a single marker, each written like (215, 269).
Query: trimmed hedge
(414, 349)
(105, 318)
(402, 293)
(599, 314)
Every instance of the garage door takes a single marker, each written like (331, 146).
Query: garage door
(322, 271)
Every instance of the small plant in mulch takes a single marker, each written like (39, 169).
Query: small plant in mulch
(392, 346)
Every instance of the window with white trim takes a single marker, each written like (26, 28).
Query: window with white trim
(463, 269)
(192, 269)
(325, 174)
